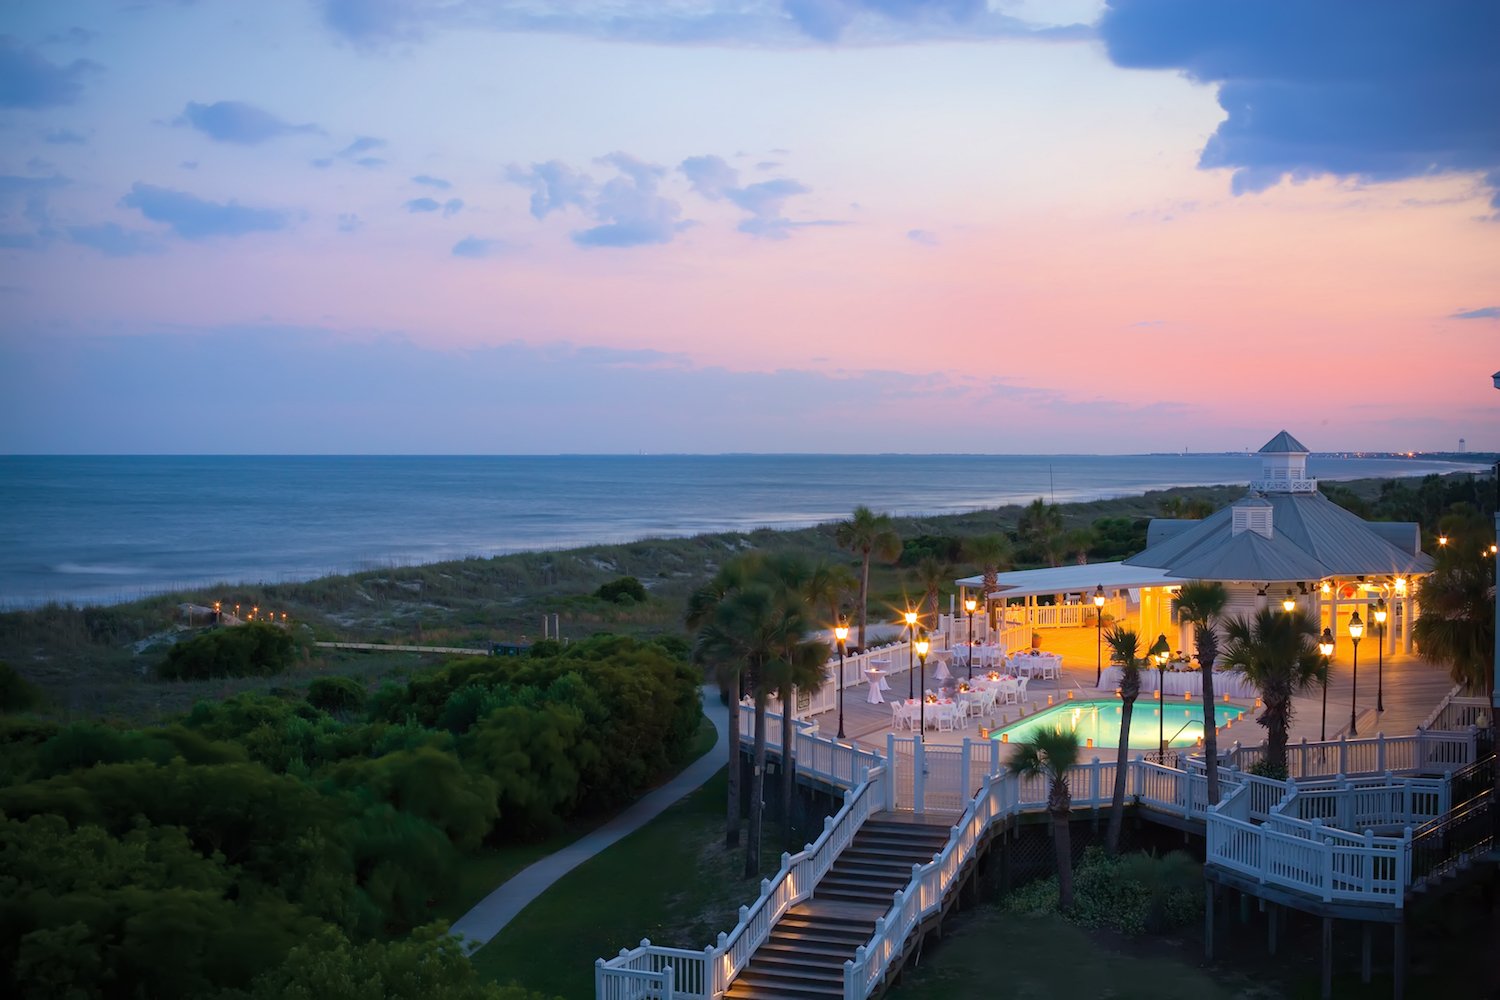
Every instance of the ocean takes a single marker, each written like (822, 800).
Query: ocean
(104, 529)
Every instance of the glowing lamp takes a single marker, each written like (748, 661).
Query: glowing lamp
(1442, 539)
(1326, 588)
(1005, 737)
(970, 605)
(1289, 603)
(1049, 699)
(1325, 642)
(1380, 612)
(922, 647)
(1400, 584)
(1356, 627)
(911, 618)
(1099, 596)
(1187, 696)
(1089, 742)
(1070, 695)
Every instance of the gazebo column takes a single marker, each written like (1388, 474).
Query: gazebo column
(1408, 621)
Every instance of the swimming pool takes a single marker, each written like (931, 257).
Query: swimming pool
(1100, 721)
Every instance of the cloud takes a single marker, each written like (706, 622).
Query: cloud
(926, 237)
(1488, 312)
(350, 222)
(630, 211)
(238, 122)
(375, 24)
(449, 208)
(113, 240)
(362, 144)
(28, 80)
(713, 178)
(475, 248)
(194, 218)
(427, 180)
(554, 186)
(25, 215)
(1381, 90)
(63, 137)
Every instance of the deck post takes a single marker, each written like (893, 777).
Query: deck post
(1364, 952)
(1244, 907)
(1327, 993)
(1272, 913)
(1208, 919)
(1398, 961)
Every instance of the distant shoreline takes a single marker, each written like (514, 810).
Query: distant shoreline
(457, 510)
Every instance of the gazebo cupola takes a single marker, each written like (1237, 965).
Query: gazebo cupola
(1283, 467)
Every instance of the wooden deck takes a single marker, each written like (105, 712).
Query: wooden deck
(1412, 688)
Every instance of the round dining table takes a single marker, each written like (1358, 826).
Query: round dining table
(876, 677)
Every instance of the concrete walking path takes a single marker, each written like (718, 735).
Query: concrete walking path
(500, 907)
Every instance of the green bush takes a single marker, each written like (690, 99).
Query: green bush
(336, 695)
(1265, 769)
(254, 649)
(1136, 894)
(625, 590)
(17, 694)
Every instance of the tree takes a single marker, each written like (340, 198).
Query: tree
(1456, 626)
(1277, 652)
(1199, 603)
(1185, 508)
(1077, 544)
(931, 574)
(868, 535)
(759, 621)
(712, 647)
(1041, 527)
(829, 587)
(993, 553)
(1124, 649)
(1051, 754)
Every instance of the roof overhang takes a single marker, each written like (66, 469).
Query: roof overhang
(1072, 579)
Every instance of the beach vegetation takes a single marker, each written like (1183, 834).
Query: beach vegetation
(1042, 531)
(253, 649)
(336, 695)
(261, 824)
(625, 590)
(993, 552)
(17, 694)
(1133, 894)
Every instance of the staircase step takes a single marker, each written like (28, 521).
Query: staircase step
(835, 954)
(782, 968)
(826, 935)
(742, 990)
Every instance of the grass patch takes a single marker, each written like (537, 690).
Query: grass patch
(991, 955)
(672, 881)
(483, 872)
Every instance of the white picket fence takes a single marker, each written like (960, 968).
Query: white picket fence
(1314, 835)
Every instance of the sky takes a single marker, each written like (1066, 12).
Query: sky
(611, 226)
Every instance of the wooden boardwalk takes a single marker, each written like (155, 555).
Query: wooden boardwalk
(1412, 690)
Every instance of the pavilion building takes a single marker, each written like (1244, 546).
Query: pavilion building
(1282, 541)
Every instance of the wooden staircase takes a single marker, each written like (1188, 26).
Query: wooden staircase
(804, 957)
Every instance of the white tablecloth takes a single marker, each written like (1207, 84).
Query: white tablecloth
(877, 684)
(1179, 683)
(1032, 666)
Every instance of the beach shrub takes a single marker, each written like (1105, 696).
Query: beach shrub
(253, 649)
(625, 590)
(1268, 769)
(1134, 894)
(17, 694)
(336, 695)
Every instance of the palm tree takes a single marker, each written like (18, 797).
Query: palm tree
(1077, 543)
(800, 664)
(1124, 649)
(713, 647)
(931, 573)
(1041, 527)
(1276, 650)
(829, 587)
(1456, 626)
(993, 553)
(1052, 753)
(1199, 603)
(867, 534)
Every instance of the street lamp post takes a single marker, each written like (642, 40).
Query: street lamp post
(841, 633)
(1161, 651)
(1380, 655)
(911, 674)
(1356, 630)
(1325, 647)
(1098, 634)
(922, 647)
(970, 605)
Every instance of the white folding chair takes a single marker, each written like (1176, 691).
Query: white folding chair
(1021, 688)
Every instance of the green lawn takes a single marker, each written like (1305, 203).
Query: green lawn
(672, 881)
(484, 871)
(991, 955)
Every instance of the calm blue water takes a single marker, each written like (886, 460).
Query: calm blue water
(99, 529)
(1099, 721)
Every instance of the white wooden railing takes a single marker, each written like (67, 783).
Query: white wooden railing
(653, 971)
(1458, 711)
(1426, 750)
(1314, 835)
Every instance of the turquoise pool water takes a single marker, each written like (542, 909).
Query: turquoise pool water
(1100, 721)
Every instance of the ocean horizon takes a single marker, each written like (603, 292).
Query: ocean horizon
(103, 529)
